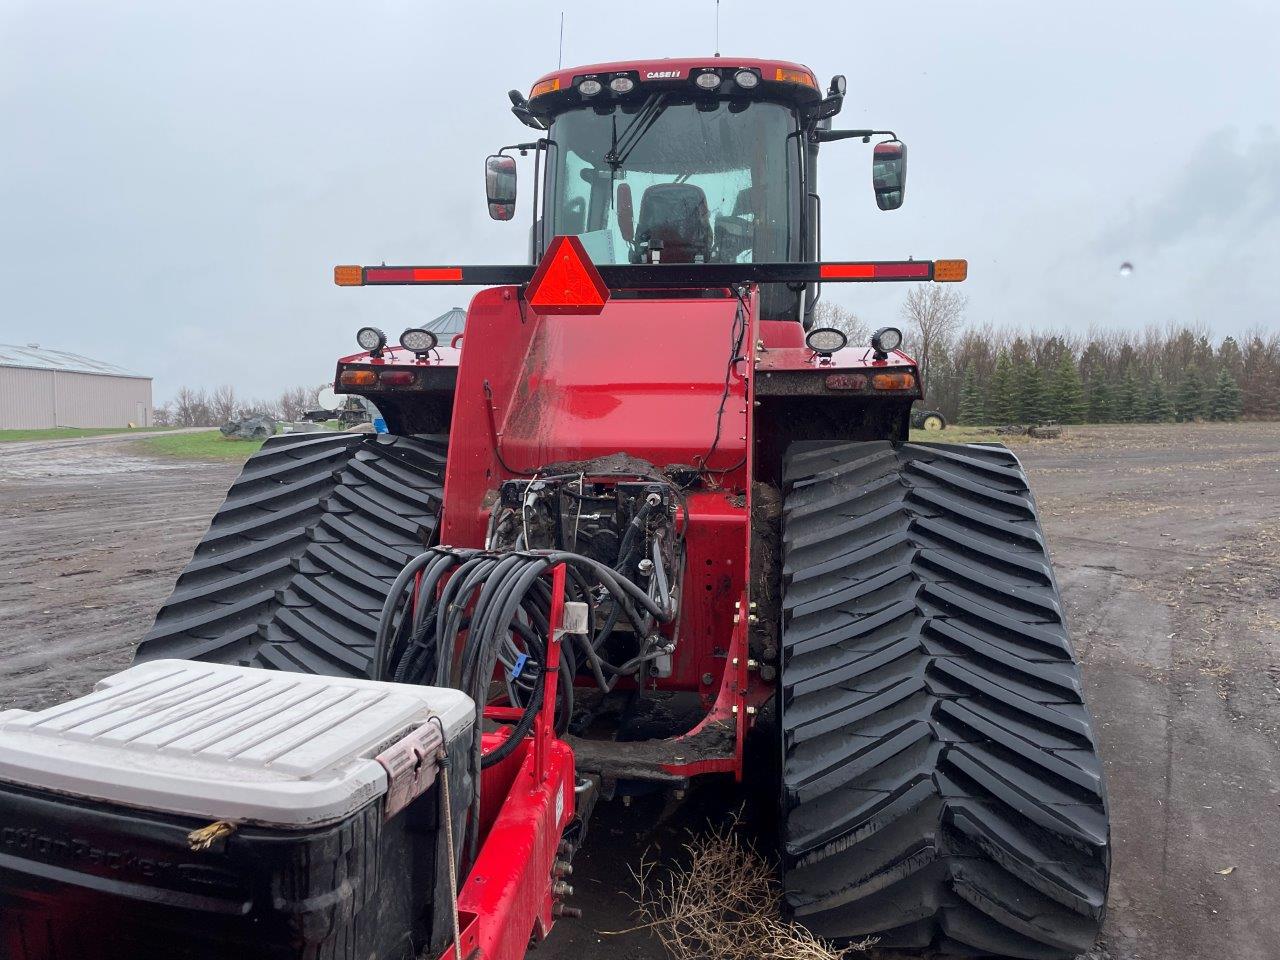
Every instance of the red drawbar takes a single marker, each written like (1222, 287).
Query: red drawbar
(566, 281)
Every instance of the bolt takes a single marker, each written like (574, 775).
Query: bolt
(645, 567)
(736, 618)
(753, 664)
(753, 604)
(561, 889)
(751, 711)
(653, 499)
(708, 679)
(559, 909)
(626, 800)
(767, 673)
(679, 794)
(735, 661)
(561, 868)
(752, 618)
(735, 708)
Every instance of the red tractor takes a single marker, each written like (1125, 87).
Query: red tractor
(641, 487)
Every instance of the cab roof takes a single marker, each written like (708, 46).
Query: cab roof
(777, 77)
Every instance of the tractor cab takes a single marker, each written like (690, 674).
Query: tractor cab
(685, 161)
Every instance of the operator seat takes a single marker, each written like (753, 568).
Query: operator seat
(675, 215)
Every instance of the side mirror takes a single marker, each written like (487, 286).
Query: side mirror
(889, 173)
(500, 186)
(626, 213)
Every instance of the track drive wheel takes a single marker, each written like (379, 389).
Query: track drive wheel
(941, 786)
(297, 562)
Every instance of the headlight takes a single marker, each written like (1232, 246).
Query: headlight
(589, 88)
(825, 340)
(371, 339)
(886, 339)
(418, 340)
(708, 81)
(622, 84)
(747, 79)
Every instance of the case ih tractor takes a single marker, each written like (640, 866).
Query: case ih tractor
(639, 501)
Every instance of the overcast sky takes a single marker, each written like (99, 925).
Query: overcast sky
(177, 179)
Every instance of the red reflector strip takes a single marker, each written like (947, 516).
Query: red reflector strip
(847, 271)
(437, 274)
(412, 275)
(909, 270)
(921, 269)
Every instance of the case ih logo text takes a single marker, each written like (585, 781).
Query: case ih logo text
(662, 75)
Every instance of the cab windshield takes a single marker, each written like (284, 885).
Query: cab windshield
(676, 180)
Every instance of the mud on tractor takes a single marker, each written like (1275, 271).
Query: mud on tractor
(640, 485)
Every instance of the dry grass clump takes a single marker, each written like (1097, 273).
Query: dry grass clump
(723, 902)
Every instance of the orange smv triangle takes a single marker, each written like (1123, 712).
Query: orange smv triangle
(566, 280)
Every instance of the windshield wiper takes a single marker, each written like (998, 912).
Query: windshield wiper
(621, 146)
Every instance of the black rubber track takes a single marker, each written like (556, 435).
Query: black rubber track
(942, 789)
(297, 562)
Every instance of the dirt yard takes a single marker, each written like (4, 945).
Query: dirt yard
(1167, 545)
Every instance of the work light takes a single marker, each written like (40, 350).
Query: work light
(622, 84)
(825, 341)
(747, 79)
(884, 340)
(708, 81)
(418, 340)
(589, 88)
(371, 339)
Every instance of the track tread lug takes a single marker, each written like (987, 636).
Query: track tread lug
(296, 563)
(941, 786)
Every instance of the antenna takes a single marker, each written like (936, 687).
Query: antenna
(717, 28)
(560, 61)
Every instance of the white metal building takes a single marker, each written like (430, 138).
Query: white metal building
(42, 388)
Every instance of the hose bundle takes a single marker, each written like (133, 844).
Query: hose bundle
(453, 615)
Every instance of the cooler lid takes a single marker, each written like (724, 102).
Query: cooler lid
(224, 742)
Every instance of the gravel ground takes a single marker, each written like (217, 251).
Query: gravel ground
(1166, 541)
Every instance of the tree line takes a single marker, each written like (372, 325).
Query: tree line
(204, 408)
(987, 374)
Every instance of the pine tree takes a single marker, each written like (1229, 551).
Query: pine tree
(1102, 402)
(1001, 404)
(1142, 410)
(1128, 405)
(1190, 401)
(1032, 401)
(1159, 408)
(971, 406)
(1227, 401)
(1066, 392)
